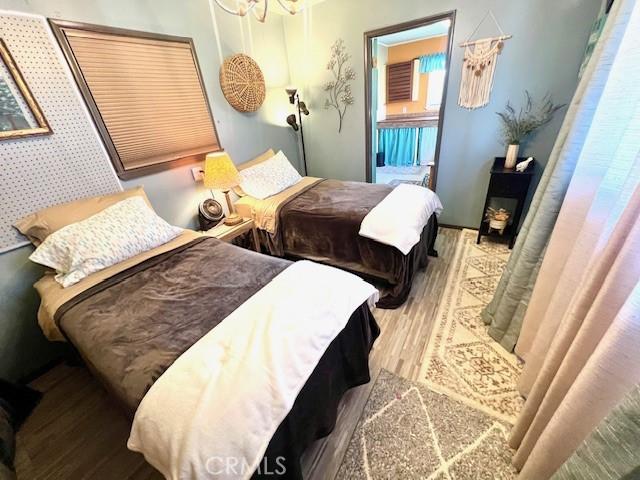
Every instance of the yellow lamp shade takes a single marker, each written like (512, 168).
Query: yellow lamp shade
(219, 172)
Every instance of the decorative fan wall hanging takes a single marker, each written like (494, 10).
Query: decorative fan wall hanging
(242, 83)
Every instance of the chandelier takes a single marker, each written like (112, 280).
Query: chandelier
(258, 7)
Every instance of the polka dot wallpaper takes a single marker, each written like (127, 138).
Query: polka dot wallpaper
(71, 163)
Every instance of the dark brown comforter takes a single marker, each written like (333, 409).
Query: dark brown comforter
(133, 326)
(322, 223)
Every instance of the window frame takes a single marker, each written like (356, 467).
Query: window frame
(441, 83)
(124, 172)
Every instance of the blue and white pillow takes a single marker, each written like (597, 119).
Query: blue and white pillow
(117, 233)
(269, 177)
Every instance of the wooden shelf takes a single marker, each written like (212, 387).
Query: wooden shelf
(427, 119)
(508, 184)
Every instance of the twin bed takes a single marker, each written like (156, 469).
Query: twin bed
(131, 327)
(217, 352)
(320, 219)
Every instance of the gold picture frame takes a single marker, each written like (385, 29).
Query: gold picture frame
(20, 114)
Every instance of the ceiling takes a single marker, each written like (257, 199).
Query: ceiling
(421, 33)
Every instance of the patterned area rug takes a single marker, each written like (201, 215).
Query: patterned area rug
(461, 359)
(409, 431)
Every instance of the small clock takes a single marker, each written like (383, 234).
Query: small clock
(210, 213)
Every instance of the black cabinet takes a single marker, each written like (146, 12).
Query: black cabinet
(512, 186)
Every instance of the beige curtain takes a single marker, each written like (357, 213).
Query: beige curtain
(581, 333)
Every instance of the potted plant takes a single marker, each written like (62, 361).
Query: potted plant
(497, 218)
(517, 126)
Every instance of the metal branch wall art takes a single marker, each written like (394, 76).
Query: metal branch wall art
(339, 89)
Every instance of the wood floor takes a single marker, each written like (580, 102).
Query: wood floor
(78, 433)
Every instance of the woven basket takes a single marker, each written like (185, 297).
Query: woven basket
(242, 83)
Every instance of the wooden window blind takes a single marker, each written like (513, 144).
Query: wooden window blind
(402, 81)
(145, 94)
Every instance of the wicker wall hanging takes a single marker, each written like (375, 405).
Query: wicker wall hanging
(242, 83)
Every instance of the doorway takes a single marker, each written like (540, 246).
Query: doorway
(407, 71)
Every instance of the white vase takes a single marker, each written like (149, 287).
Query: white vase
(512, 156)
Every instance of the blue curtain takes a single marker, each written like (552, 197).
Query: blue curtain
(398, 145)
(427, 137)
(433, 62)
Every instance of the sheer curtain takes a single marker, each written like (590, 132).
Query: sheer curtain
(581, 333)
(427, 139)
(399, 146)
(612, 451)
(506, 311)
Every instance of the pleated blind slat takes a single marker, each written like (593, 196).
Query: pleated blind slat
(148, 93)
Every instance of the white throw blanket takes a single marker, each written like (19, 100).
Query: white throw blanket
(398, 220)
(214, 411)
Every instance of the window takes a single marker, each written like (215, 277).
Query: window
(435, 89)
(401, 80)
(145, 94)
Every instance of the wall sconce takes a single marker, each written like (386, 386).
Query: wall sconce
(296, 123)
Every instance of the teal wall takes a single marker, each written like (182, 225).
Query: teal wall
(173, 193)
(549, 38)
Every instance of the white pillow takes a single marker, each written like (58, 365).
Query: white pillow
(117, 233)
(269, 177)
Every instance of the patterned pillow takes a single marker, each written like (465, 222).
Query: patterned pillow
(118, 232)
(269, 177)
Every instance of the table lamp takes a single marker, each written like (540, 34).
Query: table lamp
(221, 174)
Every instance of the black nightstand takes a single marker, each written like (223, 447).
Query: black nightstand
(506, 184)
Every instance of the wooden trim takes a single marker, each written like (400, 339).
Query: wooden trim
(368, 55)
(411, 120)
(58, 27)
(43, 127)
(455, 227)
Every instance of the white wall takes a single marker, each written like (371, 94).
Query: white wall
(383, 57)
(549, 38)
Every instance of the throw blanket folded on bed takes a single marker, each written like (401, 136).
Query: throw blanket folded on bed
(398, 220)
(214, 411)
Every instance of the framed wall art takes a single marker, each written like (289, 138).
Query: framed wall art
(20, 114)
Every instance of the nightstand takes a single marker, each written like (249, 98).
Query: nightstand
(227, 233)
(506, 184)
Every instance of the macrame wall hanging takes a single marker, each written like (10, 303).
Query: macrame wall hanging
(479, 67)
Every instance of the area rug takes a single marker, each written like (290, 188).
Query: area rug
(461, 359)
(404, 174)
(422, 183)
(408, 431)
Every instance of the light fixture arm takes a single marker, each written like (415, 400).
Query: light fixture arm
(261, 18)
(285, 5)
(250, 6)
(290, 6)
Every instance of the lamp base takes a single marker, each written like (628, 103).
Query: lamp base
(233, 219)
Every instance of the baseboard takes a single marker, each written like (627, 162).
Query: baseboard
(456, 227)
(27, 379)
